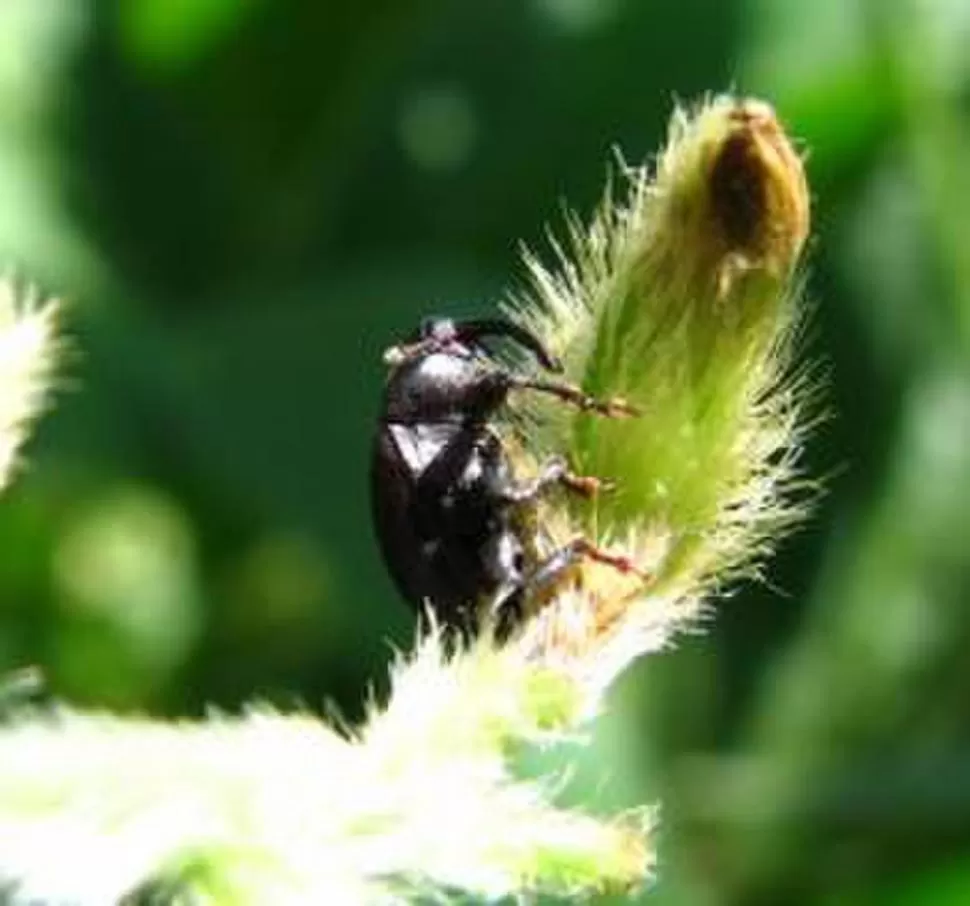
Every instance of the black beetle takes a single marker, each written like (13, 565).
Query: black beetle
(451, 519)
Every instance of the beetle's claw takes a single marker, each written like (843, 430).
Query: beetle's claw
(588, 485)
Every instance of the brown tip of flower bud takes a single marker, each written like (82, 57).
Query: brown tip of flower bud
(758, 194)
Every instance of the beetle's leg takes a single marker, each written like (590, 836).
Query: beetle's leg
(620, 562)
(406, 352)
(506, 604)
(554, 471)
(489, 392)
(551, 570)
(615, 407)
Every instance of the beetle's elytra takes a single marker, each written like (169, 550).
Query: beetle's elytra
(451, 518)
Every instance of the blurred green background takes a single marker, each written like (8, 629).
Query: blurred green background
(246, 200)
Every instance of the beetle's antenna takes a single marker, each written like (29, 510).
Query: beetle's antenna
(470, 331)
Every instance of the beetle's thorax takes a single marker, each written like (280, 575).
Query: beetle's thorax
(448, 386)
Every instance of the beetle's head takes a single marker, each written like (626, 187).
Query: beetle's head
(465, 337)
